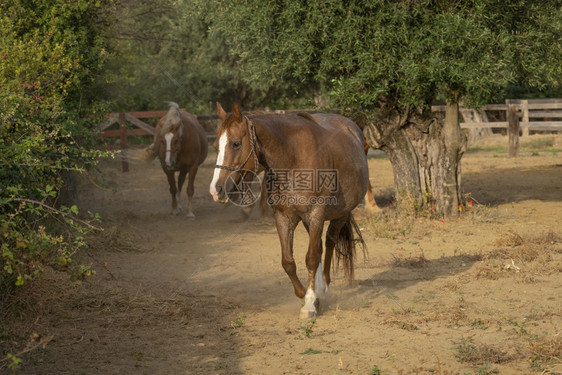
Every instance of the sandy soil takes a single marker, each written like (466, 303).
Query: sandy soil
(209, 296)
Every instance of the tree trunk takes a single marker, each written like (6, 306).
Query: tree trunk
(425, 154)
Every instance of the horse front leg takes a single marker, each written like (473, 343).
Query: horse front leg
(316, 286)
(264, 206)
(190, 192)
(285, 229)
(173, 190)
(181, 180)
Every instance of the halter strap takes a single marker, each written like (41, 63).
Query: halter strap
(252, 132)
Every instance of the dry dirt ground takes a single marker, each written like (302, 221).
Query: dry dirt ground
(477, 295)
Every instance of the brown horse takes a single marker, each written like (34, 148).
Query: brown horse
(180, 143)
(316, 171)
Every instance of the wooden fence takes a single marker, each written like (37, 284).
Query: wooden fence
(139, 128)
(521, 118)
(526, 115)
(534, 115)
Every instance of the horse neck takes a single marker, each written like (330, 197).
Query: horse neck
(272, 146)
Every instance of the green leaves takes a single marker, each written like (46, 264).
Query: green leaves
(48, 52)
(412, 54)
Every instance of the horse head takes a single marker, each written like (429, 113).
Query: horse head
(236, 153)
(170, 139)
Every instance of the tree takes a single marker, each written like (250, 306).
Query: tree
(165, 52)
(384, 63)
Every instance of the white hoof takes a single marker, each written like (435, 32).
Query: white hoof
(311, 303)
(190, 215)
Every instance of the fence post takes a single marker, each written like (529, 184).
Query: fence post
(123, 142)
(525, 117)
(513, 129)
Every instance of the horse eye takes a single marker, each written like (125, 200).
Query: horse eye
(235, 145)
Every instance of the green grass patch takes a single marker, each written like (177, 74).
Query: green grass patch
(495, 148)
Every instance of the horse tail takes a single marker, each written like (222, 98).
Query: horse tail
(147, 155)
(345, 246)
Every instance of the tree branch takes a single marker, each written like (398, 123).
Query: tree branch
(57, 211)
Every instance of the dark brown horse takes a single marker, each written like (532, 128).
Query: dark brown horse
(180, 143)
(316, 171)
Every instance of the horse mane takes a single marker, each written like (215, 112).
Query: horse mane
(173, 118)
(224, 125)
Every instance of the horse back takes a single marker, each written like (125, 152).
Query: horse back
(336, 123)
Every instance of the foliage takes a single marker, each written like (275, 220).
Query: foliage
(165, 51)
(408, 54)
(385, 63)
(308, 328)
(50, 51)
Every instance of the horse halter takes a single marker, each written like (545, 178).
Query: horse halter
(252, 131)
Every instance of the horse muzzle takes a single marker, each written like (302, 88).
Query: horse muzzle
(219, 195)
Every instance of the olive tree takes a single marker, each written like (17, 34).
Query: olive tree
(385, 63)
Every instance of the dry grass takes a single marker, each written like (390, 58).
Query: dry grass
(57, 304)
(485, 214)
(417, 261)
(402, 324)
(527, 255)
(116, 239)
(389, 225)
(478, 354)
(545, 352)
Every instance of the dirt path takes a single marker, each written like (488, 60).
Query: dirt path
(209, 296)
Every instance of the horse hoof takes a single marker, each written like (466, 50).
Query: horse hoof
(190, 215)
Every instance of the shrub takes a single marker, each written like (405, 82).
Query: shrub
(49, 51)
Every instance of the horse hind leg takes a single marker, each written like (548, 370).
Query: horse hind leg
(370, 203)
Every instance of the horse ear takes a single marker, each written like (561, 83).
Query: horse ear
(221, 112)
(236, 112)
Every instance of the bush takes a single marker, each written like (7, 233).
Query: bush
(49, 52)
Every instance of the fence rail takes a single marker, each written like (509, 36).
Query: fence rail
(534, 115)
(140, 127)
(531, 115)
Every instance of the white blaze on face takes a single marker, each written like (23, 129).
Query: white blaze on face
(168, 138)
(220, 160)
